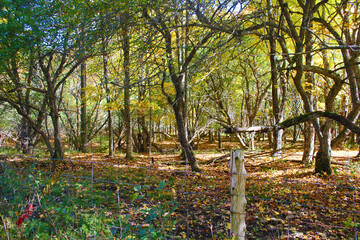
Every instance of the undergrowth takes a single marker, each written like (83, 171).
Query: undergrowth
(96, 197)
(35, 205)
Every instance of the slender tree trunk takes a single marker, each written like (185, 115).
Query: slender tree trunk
(111, 133)
(275, 85)
(108, 100)
(143, 134)
(151, 129)
(83, 107)
(219, 139)
(309, 134)
(277, 114)
(127, 111)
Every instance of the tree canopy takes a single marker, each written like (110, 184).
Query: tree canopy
(132, 70)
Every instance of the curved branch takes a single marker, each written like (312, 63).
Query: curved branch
(325, 72)
(297, 120)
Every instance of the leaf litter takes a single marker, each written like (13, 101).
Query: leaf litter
(285, 200)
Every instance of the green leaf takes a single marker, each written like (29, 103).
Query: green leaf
(134, 196)
(162, 184)
(143, 232)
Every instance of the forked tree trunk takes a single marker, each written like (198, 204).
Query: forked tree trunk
(178, 80)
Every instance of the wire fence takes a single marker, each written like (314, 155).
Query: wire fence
(95, 197)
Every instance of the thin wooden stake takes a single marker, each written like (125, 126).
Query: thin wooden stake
(238, 199)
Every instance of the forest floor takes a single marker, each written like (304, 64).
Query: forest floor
(285, 199)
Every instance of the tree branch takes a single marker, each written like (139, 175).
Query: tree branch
(297, 120)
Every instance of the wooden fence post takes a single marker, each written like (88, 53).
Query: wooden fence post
(238, 199)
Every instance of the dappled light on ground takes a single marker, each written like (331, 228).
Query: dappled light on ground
(285, 199)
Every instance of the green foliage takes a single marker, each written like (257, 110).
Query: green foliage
(78, 209)
(350, 223)
(157, 215)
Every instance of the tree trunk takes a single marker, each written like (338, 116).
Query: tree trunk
(58, 152)
(25, 137)
(275, 86)
(178, 79)
(309, 134)
(323, 156)
(127, 110)
(270, 139)
(183, 138)
(151, 130)
(111, 133)
(211, 136)
(277, 142)
(83, 118)
(108, 100)
(219, 139)
(143, 135)
(309, 144)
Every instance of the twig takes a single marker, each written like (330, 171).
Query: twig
(212, 161)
